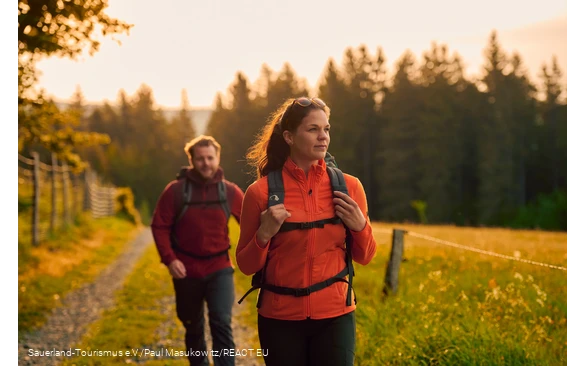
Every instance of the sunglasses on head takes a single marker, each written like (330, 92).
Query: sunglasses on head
(303, 102)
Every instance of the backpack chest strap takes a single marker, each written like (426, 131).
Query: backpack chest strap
(319, 224)
(201, 203)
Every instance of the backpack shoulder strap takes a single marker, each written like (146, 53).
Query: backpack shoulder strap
(337, 180)
(275, 197)
(223, 198)
(182, 173)
(182, 198)
(338, 184)
(275, 188)
(182, 193)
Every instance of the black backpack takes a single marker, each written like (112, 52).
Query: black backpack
(275, 197)
(183, 203)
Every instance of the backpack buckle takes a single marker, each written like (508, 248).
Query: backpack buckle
(306, 225)
(302, 292)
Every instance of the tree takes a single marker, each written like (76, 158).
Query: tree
(548, 155)
(59, 28)
(286, 85)
(356, 128)
(399, 137)
(234, 126)
(441, 125)
(182, 125)
(56, 28)
(505, 135)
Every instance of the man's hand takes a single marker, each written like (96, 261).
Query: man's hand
(349, 212)
(271, 221)
(177, 269)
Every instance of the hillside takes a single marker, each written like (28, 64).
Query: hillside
(199, 116)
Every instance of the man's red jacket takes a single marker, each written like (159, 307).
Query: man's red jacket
(202, 230)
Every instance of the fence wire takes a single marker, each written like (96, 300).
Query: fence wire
(486, 252)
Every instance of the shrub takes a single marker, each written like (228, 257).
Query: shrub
(125, 205)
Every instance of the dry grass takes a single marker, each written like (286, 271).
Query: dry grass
(57, 264)
(541, 246)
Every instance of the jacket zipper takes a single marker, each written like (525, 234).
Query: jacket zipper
(311, 239)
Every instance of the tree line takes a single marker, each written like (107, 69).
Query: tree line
(428, 143)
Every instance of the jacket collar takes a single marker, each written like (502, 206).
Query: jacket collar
(194, 176)
(316, 170)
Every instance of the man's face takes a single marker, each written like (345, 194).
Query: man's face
(205, 160)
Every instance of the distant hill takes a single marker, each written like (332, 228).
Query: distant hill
(199, 116)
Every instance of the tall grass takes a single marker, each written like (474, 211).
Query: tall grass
(455, 307)
(452, 307)
(460, 307)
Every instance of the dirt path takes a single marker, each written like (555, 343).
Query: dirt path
(171, 334)
(67, 325)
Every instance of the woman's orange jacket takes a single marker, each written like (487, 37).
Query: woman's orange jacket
(301, 258)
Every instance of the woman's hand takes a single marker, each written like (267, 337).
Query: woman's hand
(270, 222)
(349, 212)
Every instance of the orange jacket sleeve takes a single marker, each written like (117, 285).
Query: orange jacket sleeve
(364, 245)
(249, 255)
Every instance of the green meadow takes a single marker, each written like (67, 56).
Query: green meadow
(456, 307)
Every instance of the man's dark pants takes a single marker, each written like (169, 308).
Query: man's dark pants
(218, 290)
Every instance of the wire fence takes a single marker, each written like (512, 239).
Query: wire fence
(50, 196)
(486, 252)
(392, 269)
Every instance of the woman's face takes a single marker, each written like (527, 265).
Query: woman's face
(311, 139)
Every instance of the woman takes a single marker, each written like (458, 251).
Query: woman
(305, 316)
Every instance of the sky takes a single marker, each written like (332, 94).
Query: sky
(200, 45)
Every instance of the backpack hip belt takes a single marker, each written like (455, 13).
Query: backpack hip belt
(303, 291)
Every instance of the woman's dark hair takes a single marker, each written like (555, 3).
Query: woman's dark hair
(270, 150)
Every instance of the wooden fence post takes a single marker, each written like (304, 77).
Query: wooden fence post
(73, 183)
(86, 189)
(66, 208)
(391, 278)
(36, 199)
(54, 169)
(95, 195)
(112, 201)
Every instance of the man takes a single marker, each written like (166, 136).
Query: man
(190, 230)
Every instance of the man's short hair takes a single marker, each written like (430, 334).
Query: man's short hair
(201, 141)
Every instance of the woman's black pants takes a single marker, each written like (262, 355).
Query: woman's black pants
(308, 342)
